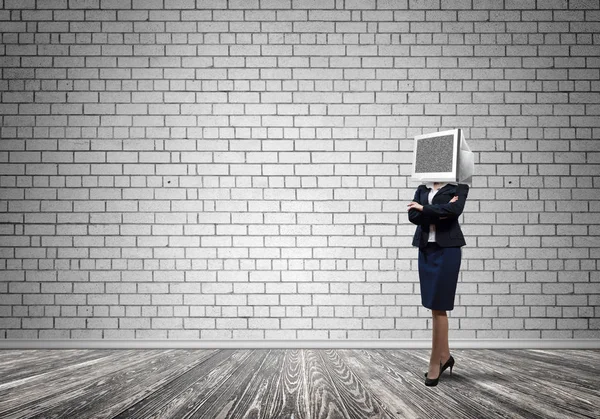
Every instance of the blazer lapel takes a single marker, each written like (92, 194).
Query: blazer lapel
(424, 196)
(446, 189)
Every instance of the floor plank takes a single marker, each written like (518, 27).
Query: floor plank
(289, 392)
(350, 388)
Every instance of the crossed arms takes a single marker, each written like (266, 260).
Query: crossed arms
(425, 214)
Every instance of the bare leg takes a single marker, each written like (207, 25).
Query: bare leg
(442, 336)
(440, 351)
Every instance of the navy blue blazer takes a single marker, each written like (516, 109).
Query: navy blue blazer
(447, 230)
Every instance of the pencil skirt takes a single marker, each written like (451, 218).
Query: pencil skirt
(438, 275)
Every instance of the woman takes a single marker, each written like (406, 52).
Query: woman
(435, 210)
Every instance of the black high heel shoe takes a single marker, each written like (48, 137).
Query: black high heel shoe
(433, 382)
(449, 363)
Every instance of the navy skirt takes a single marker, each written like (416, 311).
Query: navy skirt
(438, 275)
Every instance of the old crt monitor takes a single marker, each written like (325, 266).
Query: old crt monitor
(436, 156)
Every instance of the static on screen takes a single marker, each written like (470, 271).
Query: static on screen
(434, 154)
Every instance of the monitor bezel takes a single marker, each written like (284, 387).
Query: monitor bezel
(438, 176)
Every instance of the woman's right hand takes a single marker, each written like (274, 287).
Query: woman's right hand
(454, 199)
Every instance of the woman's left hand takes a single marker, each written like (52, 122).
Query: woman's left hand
(415, 205)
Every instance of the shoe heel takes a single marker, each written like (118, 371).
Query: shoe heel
(451, 369)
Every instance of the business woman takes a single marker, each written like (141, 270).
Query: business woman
(435, 210)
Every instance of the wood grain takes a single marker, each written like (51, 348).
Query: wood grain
(297, 384)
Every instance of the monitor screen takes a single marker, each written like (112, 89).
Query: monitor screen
(435, 156)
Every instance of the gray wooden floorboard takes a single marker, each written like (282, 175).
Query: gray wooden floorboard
(297, 384)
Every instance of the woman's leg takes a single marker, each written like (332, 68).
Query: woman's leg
(440, 351)
(442, 335)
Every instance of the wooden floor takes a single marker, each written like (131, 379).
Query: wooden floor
(297, 383)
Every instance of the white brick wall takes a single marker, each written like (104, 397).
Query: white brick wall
(239, 169)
